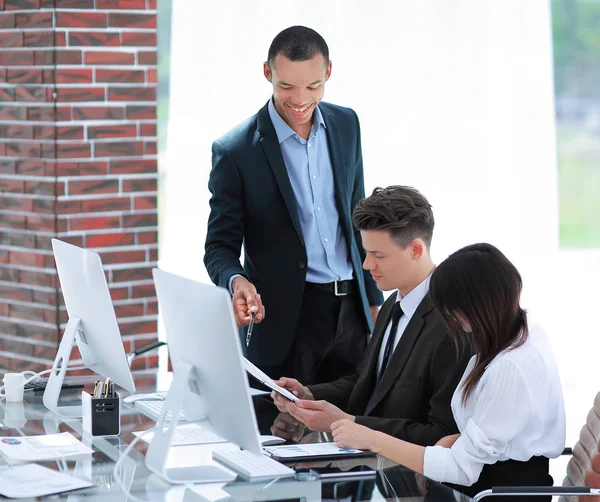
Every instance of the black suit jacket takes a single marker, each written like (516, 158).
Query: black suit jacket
(412, 401)
(253, 205)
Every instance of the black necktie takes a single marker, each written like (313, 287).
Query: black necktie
(396, 315)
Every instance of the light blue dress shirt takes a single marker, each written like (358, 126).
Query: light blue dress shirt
(309, 168)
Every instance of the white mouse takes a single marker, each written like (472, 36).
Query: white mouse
(268, 440)
(142, 397)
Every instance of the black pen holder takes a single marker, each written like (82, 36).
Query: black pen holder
(101, 416)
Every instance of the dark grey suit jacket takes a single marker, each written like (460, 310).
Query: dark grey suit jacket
(253, 205)
(412, 401)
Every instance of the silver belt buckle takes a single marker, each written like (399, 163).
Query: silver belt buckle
(336, 292)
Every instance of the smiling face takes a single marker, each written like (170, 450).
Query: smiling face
(298, 87)
(391, 265)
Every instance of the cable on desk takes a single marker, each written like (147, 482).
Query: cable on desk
(37, 375)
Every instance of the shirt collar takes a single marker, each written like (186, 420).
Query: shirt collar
(283, 130)
(411, 301)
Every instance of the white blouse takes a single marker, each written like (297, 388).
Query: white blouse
(515, 411)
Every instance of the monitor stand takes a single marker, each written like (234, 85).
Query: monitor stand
(158, 450)
(59, 368)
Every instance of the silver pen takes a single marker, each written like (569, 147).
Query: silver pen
(250, 326)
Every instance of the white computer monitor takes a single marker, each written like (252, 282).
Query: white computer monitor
(209, 381)
(92, 324)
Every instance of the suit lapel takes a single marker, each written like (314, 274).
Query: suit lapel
(337, 160)
(401, 353)
(270, 145)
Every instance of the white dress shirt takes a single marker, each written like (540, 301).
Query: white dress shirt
(409, 304)
(515, 411)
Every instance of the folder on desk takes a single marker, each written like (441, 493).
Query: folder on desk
(313, 451)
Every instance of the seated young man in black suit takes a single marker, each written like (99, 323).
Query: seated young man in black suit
(404, 384)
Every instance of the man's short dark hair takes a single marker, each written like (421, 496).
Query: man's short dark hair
(400, 210)
(298, 43)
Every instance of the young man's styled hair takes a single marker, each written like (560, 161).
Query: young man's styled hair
(481, 285)
(298, 43)
(400, 210)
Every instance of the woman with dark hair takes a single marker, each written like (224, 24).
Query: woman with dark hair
(508, 405)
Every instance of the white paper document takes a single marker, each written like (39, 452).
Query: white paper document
(34, 448)
(309, 450)
(34, 480)
(267, 380)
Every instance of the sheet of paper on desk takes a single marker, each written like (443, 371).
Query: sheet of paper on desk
(34, 480)
(308, 450)
(34, 448)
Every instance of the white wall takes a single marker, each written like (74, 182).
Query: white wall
(455, 98)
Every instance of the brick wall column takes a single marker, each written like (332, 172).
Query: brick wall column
(77, 162)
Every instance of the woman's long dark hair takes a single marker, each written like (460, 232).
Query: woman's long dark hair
(480, 284)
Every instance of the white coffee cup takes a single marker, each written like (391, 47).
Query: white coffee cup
(14, 384)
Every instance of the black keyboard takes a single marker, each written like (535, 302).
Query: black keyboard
(39, 385)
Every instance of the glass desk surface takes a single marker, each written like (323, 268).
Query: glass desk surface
(373, 478)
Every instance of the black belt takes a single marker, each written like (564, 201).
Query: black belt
(338, 288)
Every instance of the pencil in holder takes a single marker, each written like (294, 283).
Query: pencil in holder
(101, 415)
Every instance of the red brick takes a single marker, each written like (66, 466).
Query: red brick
(24, 76)
(7, 94)
(152, 308)
(112, 131)
(16, 131)
(44, 206)
(150, 148)
(74, 4)
(17, 239)
(30, 167)
(45, 114)
(24, 150)
(31, 94)
(106, 205)
(96, 168)
(15, 221)
(26, 258)
(118, 293)
(132, 20)
(140, 220)
(133, 166)
(93, 187)
(68, 207)
(152, 4)
(11, 186)
(11, 39)
(73, 76)
(147, 129)
(40, 223)
(151, 76)
(16, 204)
(13, 113)
(143, 291)
(72, 150)
(120, 4)
(38, 279)
(91, 223)
(44, 58)
(110, 240)
(66, 169)
(132, 94)
(7, 21)
(33, 20)
(148, 202)
(139, 39)
(69, 57)
(16, 58)
(38, 39)
(21, 4)
(2, 75)
(129, 310)
(63, 113)
(109, 58)
(75, 94)
(140, 185)
(98, 113)
(119, 149)
(143, 112)
(94, 39)
(69, 132)
(126, 76)
(81, 19)
(132, 274)
(44, 188)
(7, 167)
(110, 258)
(148, 58)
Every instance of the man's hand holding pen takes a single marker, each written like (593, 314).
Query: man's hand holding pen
(246, 301)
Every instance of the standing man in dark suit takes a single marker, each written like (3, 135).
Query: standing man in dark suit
(405, 383)
(283, 185)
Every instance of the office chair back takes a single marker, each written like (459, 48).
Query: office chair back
(584, 467)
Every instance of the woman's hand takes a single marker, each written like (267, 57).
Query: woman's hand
(348, 434)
